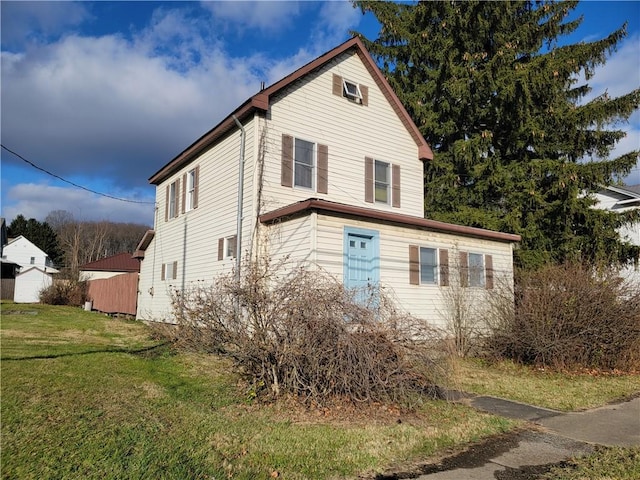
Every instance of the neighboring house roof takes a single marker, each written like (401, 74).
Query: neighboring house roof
(627, 196)
(324, 206)
(144, 243)
(260, 102)
(48, 272)
(122, 262)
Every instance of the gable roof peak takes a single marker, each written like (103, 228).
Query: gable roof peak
(260, 102)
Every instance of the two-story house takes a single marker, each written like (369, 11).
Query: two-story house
(324, 168)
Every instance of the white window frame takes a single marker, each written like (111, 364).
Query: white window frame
(173, 207)
(379, 183)
(170, 271)
(476, 276)
(314, 162)
(435, 266)
(351, 90)
(191, 189)
(230, 246)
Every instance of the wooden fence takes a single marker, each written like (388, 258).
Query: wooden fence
(117, 294)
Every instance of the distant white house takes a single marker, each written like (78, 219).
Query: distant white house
(36, 269)
(29, 283)
(622, 199)
(23, 252)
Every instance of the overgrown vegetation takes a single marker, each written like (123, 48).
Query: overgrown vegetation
(65, 291)
(156, 413)
(301, 333)
(569, 316)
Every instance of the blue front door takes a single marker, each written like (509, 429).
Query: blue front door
(361, 262)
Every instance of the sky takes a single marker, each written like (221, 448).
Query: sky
(103, 94)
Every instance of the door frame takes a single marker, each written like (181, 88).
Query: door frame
(374, 236)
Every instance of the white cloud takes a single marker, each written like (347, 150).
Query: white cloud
(36, 200)
(268, 16)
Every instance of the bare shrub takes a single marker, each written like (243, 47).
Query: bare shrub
(301, 333)
(569, 316)
(65, 292)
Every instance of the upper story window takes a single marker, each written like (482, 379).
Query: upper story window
(190, 190)
(32, 261)
(182, 194)
(381, 181)
(353, 91)
(304, 164)
(172, 193)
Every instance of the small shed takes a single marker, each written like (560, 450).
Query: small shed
(29, 283)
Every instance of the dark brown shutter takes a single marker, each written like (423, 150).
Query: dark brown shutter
(414, 265)
(444, 267)
(175, 270)
(220, 248)
(337, 85)
(177, 199)
(488, 265)
(166, 206)
(323, 169)
(286, 176)
(395, 186)
(196, 186)
(368, 179)
(163, 273)
(365, 95)
(464, 269)
(184, 192)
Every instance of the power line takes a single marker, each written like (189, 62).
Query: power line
(71, 183)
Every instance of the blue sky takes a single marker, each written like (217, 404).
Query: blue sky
(105, 93)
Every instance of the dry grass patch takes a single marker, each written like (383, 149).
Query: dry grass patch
(565, 391)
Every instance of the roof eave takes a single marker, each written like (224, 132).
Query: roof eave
(325, 206)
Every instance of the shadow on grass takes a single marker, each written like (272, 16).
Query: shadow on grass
(150, 352)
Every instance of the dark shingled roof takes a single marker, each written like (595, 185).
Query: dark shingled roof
(122, 262)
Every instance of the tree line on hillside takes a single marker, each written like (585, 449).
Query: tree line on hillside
(70, 243)
(518, 144)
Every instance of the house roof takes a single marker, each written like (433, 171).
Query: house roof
(122, 262)
(144, 244)
(260, 102)
(313, 204)
(48, 272)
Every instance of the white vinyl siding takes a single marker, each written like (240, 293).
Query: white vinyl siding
(428, 303)
(193, 239)
(309, 110)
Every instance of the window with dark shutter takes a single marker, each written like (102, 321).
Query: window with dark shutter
(323, 169)
(337, 85)
(395, 186)
(220, 248)
(488, 265)
(166, 204)
(464, 269)
(414, 265)
(184, 193)
(196, 186)
(368, 179)
(286, 177)
(444, 267)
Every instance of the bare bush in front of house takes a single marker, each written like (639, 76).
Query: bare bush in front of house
(301, 333)
(65, 292)
(569, 316)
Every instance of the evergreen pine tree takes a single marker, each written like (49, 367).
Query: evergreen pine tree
(501, 104)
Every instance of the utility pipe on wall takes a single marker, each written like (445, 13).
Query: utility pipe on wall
(240, 199)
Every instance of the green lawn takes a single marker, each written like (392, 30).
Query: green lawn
(86, 396)
(559, 391)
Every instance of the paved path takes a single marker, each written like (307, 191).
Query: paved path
(556, 436)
